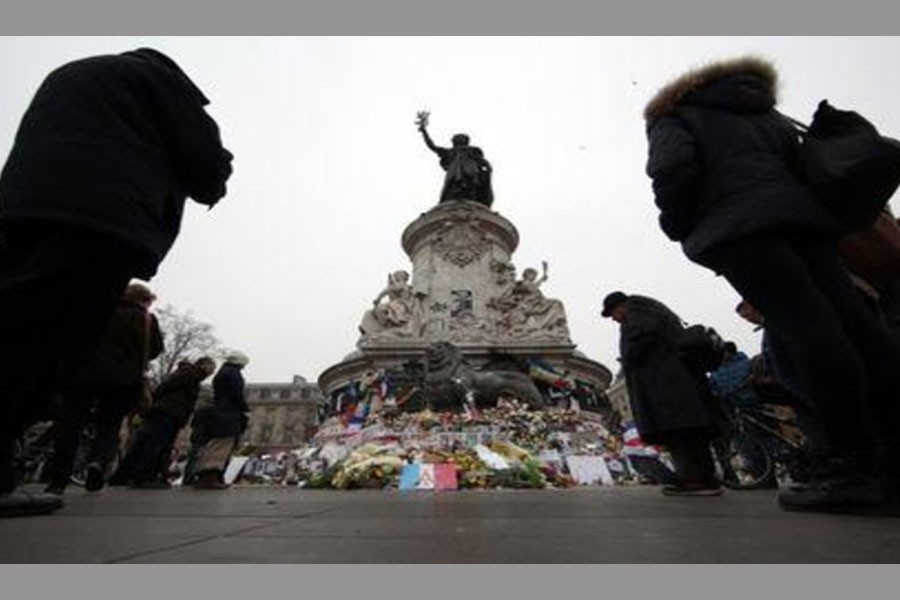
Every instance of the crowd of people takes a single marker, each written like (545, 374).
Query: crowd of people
(76, 227)
(91, 197)
(723, 162)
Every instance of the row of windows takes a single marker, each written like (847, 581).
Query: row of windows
(284, 393)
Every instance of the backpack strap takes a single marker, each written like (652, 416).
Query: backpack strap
(802, 127)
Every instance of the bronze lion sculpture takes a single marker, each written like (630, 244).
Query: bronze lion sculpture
(449, 379)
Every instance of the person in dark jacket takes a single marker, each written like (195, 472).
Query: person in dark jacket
(671, 402)
(145, 463)
(722, 163)
(91, 196)
(106, 390)
(219, 426)
(731, 383)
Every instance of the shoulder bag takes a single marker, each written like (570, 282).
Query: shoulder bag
(847, 164)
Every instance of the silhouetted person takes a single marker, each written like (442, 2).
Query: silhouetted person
(219, 426)
(670, 401)
(147, 459)
(468, 172)
(722, 163)
(91, 196)
(731, 382)
(106, 390)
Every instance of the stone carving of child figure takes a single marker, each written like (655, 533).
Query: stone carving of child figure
(397, 315)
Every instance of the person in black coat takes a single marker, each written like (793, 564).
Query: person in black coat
(91, 195)
(145, 463)
(105, 391)
(671, 402)
(722, 163)
(219, 426)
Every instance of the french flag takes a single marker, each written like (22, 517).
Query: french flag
(420, 476)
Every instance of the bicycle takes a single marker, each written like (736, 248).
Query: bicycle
(756, 453)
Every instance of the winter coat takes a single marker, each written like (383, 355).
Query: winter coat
(115, 144)
(123, 353)
(177, 394)
(664, 395)
(722, 159)
(227, 415)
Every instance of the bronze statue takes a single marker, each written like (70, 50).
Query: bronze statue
(449, 379)
(468, 172)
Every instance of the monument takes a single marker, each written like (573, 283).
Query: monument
(462, 293)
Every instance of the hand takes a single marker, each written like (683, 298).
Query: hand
(422, 119)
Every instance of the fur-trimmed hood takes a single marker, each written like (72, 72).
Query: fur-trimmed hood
(746, 83)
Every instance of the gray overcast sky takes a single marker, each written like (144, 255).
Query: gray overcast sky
(329, 168)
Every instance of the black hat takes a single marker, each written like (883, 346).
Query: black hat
(611, 301)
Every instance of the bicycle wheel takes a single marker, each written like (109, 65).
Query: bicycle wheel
(746, 465)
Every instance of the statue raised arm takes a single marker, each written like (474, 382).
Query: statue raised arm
(468, 173)
(422, 123)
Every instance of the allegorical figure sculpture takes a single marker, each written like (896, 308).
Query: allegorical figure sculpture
(468, 174)
(396, 316)
(525, 311)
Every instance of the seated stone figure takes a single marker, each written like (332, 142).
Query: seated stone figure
(397, 316)
(449, 379)
(524, 311)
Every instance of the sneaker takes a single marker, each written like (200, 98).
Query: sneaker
(19, 503)
(692, 489)
(93, 478)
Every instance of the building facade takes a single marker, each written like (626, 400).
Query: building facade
(282, 416)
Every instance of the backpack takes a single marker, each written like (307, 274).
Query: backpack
(851, 168)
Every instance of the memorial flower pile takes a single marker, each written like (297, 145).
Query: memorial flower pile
(508, 446)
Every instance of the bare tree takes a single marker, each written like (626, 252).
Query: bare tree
(185, 338)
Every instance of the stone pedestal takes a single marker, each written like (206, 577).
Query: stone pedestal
(464, 289)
